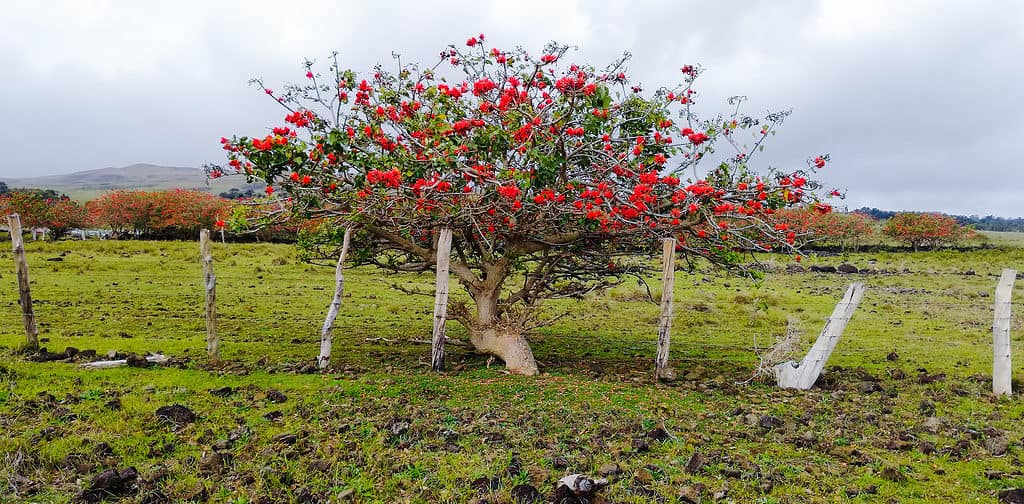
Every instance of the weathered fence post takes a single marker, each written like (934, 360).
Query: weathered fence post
(1001, 364)
(662, 371)
(332, 313)
(444, 248)
(803, 375)
(28, 316)
(210, 281)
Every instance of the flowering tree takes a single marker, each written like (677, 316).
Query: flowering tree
(172, 214)
(838, 229)
(924, 230)
(39, 209)
(552, 175)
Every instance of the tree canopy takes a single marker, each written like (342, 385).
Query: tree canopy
(551, 173)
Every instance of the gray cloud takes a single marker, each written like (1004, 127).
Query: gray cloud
(917, 102)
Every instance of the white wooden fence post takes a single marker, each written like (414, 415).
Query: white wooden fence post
(662, 371)
(444, 247)
(326, 336)
(1001, 363)
(28, 315)
(803, 375)
(210, 282)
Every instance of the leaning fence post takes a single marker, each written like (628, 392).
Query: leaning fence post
(668, 280)
(28, 316)
(1001, 364)
(210, 282)
(332, 313)
(444, 248)
(803, 375)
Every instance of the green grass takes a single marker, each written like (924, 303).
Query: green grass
(593, 402)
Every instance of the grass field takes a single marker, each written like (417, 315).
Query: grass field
(903, 414)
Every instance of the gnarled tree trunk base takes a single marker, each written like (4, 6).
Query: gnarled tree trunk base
(508, 346)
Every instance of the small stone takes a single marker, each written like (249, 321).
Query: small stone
(609, 469)
(997, 445)
(658, 434)
(176, 414)
(1011, 496)
(893, 474)
(113, 405)
(932, 424)
(276, 396)
(285, 439)
(770, 422)
(526, 494)
(751, 419)
(847, 268)
(696, 463)
(689, 495)
(926, 447)
(213, 463)
(869, 387)
(222, 392)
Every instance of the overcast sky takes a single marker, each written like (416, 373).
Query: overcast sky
(920, 103)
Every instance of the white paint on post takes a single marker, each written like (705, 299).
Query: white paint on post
(662, 371)
(1001, 364)
(444, 248)
(28, 315)
(803, 375)
(326, 334)
(210, 282)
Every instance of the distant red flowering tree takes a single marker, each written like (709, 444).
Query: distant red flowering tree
(834, 229)
(552, 175)
(176, 214)
(38, 209)
(925, 230)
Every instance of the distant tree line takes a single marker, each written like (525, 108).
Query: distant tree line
(4, 190)
(986, 223)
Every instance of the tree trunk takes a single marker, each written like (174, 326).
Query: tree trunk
(505, 342)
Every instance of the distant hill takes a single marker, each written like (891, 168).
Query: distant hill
(88, 184)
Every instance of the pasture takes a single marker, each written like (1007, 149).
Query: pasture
(904, 412)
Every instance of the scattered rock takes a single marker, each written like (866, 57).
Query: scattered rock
(526, 494)
(997, 445)
(847, 268)
(751, 419)
(559, 462)
(285, 439)
(113, 405)
(1011, 496)
(102, 450)
(926, 407)
(176, 414)
(823, 269)
(696, 463)
(276, 396)
(485, 484)
(137, 361)
(111, 483)
(640, 445)
(926, 447)
(689, 495)
(932, 424)
(892, 356)
(869, 387)
(795, 268)
(223, 391)
(609, 469)
(658, 434)
(214, 462)
(770, 422)
(807, 439)
(924, 378)
(272, 416)
(893, 474)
